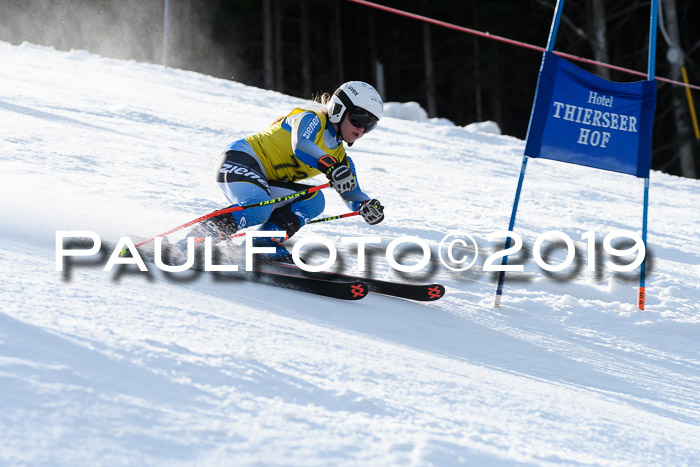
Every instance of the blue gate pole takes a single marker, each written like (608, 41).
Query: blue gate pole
(166, 27)
(641, 298)
(550, 46)
(555, 25)
(511, 226)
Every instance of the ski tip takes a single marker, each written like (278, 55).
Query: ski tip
(358, 290)
(435, 292)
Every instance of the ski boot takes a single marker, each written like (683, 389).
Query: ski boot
(281, 254)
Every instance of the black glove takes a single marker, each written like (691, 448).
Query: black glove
(372, 211)
(339, 175)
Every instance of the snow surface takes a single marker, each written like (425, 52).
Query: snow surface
(100, 368)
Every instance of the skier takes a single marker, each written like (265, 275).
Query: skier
(303, 144)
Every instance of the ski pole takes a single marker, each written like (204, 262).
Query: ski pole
(323, 219)
(268, 202)
(332, 218)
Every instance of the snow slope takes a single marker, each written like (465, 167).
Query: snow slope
(100, 368)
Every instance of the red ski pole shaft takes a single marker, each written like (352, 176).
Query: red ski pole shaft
(238, 208)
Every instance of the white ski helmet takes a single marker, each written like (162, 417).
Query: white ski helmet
(352, 96)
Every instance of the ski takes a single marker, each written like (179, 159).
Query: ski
(340, 289)
(336, 285)
(418, 292)
(343, 289)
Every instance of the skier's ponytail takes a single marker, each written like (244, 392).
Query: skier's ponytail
(322, 99)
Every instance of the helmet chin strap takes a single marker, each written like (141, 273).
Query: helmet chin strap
(340, 131)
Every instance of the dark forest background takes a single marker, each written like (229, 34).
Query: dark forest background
(304, 47)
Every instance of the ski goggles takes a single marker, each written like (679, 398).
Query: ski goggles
(360, 118)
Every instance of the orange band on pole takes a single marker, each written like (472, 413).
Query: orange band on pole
(641, 298)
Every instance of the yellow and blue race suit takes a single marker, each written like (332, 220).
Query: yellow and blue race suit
(268, 164)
